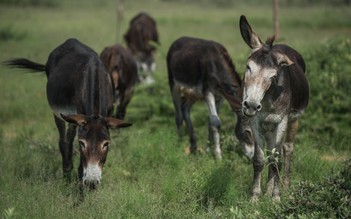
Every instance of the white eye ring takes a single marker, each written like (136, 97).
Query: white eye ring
(106, 145)
(81, 144)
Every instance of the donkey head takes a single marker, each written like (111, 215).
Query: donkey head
(94, 141)
(147, 62)
(263, 67)
(244, 134)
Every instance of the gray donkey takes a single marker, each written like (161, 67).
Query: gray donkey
(275, 94)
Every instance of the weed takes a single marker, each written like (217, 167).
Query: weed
(330, 198)
(8, 213)
(328, 110)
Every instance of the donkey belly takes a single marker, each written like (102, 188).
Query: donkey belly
(61, 99)
(65, 110)
(193, 92)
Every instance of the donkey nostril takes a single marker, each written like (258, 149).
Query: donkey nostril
(246, 104)
(259, 107)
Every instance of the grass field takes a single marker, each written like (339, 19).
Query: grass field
(147, 173)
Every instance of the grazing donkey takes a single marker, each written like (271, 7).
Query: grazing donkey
(139, 37)
(202, 70)
(275, 94)
(123, 69)
(80, 92)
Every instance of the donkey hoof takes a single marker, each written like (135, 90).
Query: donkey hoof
(276, 198)
(286, 182)
(218, 156)
(254, 198)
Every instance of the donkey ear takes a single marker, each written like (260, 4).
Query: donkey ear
(249, 36)
(78, 119)
(105, 56)
(283, 60)
(116, 123)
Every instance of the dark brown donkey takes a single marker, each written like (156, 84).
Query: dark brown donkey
(80, 92)
(123, 69)
(202, 70)
(275, 94)
(139, 37)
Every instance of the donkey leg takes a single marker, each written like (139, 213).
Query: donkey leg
(215, 123)
(65, 149)
(274, 169)
(277, 169)
(124, 101)
(258, 164)
(275, 159)
(186, 107)
(80, 178)
(288, 149)
(71, 134)
(177, 102)
(120, 109)
(272, 161)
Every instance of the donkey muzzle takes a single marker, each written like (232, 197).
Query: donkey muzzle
(91, 176)
(250, 108)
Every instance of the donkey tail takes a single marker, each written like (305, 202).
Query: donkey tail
(25, 64)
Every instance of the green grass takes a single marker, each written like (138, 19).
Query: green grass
(147, 173)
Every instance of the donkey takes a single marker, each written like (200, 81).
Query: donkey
(202, 70)
(123, 69)
(140, 37)
(79, 92)
(275, 94)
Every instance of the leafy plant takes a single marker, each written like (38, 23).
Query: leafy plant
(329, 76)
(237, 213)
(8, 213)
(330, 198)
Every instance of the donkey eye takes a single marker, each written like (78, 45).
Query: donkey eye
(105, 145)
(82, 144)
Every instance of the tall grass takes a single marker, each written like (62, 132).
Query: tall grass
(147, 173)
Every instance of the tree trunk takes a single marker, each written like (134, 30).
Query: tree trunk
(275, 18)
(119, 16)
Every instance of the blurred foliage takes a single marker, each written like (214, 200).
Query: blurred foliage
(314, 2)
(328, 72)
(330, 198)
(217, 3)
(226, 3)
(8, 33)
(46, 3)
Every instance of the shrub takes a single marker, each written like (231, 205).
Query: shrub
(329, 77)
(46, 3)
(330, 198)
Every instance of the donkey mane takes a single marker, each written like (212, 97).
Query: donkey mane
(231, 65)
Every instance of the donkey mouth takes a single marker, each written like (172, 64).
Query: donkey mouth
(91, 176)
(249, 112)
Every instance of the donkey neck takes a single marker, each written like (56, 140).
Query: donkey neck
(94, 89)
(278, 96)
